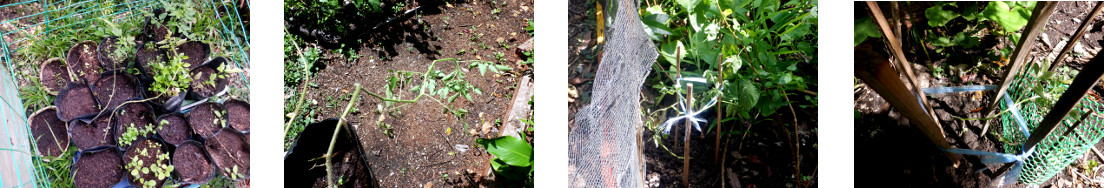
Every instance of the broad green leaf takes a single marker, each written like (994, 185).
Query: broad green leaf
(749, 95)
(971, 12)
(942, 42)
(965, 40)
(509, 149)
(669, 49)
(938, 17)
(689, 4)
(1010, 18)
(864, 27)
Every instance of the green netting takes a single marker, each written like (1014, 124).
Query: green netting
(42, 29)
(1058, 149)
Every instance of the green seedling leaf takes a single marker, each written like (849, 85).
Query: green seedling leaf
(937, 17)
(689, 4)
(1011, 18)
(966, 40)
(865, 27)
(511, 150)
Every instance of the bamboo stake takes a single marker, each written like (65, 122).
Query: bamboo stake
(337, 131)
(875, 71)
(903, 63)
(1035, 26)
(686, 142)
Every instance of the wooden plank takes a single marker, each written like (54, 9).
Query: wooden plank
(874, 70)
(902, 62)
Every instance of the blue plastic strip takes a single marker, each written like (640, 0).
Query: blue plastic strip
(971, 88)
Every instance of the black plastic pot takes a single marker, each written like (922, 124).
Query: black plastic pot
(49, 132)
(53, 75)
(115, 88)
(94, 134)
(192, 163)
(133, 115)
(229, 148)
(106, 50)
(201, 88)
(204, 120)
(300, 166)
(148, 53)
(196, 51)
(82, 61)
(238, 113)
(98, 168)
(76, 101)
(174, 128)
(153, 147)
(156, 32)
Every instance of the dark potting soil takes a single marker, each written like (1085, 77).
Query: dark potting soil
(174, 128)
(197, 53)
(154, 31)
(203, 120)
(149, 53)
(86, 136)
(113, 89)
(313, 142)
(53, 75)
(191, 163)
(229, 148)
(98, 169)
(76, 101)
(82, 61)
(49, 132)
(238, 112)
(152, 148)
(202, 83)
(133, 115)
(105, 54)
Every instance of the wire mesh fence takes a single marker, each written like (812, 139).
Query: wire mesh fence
(1067, 143)
(32, 31)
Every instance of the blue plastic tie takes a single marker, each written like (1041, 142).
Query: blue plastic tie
(689, 114)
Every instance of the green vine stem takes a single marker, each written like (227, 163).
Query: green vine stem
(337, 131)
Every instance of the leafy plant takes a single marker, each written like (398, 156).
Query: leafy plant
(134, 132)
(750, 61)
(160, 168)
(171, 77)
(513, 157)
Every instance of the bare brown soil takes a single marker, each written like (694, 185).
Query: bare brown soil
(424, 145)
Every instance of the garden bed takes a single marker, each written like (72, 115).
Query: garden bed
(878, 125)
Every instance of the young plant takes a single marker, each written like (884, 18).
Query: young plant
(160, 168)
(134, 132)
(171, 77)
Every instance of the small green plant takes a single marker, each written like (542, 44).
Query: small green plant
(134, 132)
(398, 7)
(233, 172)
(160, 168)
(513, 157)
(170, 78)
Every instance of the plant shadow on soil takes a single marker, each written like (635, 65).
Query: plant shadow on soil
(424, 146)
(890, 151)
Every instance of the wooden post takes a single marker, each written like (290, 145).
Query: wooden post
(902, 62)
(874, 70)
(1039, 16)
